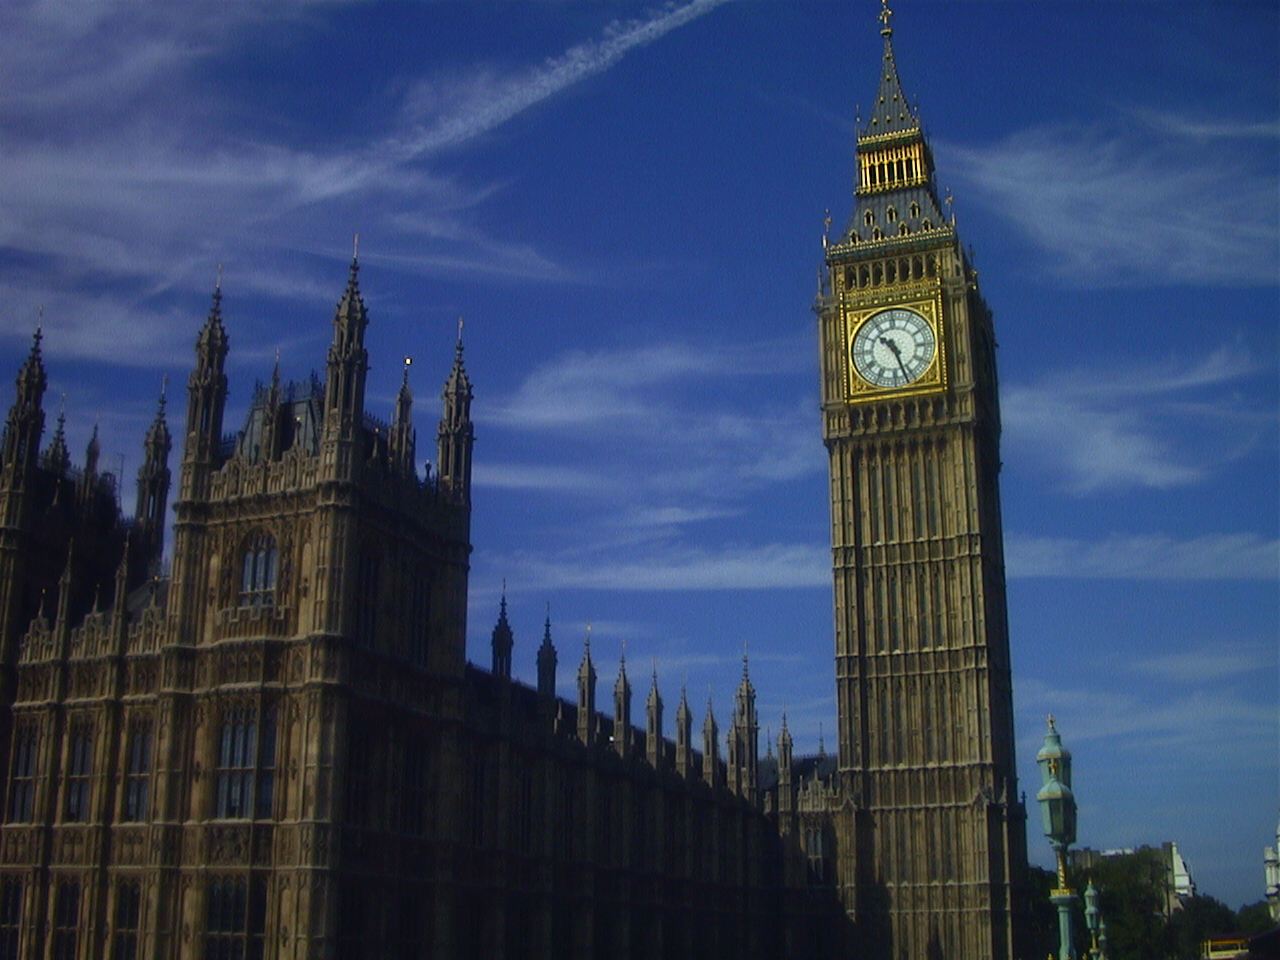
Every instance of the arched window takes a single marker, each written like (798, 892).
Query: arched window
(128, 915)
(22, 774)
(235, 917)
(891, 214)
(79, 772)
(868, 218)
(915, 210)
(258, 582)
(245, 772)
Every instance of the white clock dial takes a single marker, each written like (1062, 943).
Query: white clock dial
(893, 348)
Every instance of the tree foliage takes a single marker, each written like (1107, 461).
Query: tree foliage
(1135, 900)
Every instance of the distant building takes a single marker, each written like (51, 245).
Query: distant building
(1178, 883)
(1271, 875)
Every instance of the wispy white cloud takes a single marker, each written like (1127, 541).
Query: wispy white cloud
(1208, 663)
(1198, 725)
(1100, 429)
(1244, 556)
(124, 166)
(461, 111)
(664, 422)
(677, 568)
(622, 387)
(534, 477)
(1133, 204)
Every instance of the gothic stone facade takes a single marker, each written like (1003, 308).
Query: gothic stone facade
(279, 750)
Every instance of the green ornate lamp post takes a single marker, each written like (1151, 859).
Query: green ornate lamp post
(1058, 812)
(1093, 920)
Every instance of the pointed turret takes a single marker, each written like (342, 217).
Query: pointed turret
(785, 798)
(653, 725)
(62, 617)
(744, 739)
(26, 417)
(92, 453)
(891, 113)
(684, 735)
(348, 365)
(547, 664)
(895, 190)
(273, 413)
(622, 710)
(503, 640)
(710, 748)
(456, 437)
(403, 439)
(207, 391)
(587, 695)
(153, 485)
(56, 458)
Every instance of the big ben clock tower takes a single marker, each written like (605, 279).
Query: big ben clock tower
(932, 844)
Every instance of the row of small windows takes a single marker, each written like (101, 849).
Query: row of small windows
(891, 214)
(234, 928)
(889, 172)
(894, 270)
(244, 775)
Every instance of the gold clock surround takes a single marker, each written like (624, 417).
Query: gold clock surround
(859, 390)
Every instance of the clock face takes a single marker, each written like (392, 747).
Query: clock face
(893, 348)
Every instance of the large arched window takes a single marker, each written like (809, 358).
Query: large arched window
(258, 579)
(245, 772)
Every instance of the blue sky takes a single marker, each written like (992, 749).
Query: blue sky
(626, 203)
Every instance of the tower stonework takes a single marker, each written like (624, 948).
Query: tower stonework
(932, 855)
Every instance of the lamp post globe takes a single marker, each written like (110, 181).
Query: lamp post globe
(1058, 816)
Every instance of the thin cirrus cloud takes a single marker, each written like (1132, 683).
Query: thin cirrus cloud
(166, 185)
(463, 109)
(685, 568)
(1098, 432)
(654, 420)
(1238, 556)
(1131, 207)
(1215, 727)
(625, 387)
(1209, 663)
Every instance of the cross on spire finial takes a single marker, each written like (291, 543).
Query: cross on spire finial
(885, 16)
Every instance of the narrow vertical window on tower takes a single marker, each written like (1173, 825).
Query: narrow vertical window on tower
(22, 777)
(137, 777)
(66, 920)
(79, 770)
(366, 598)
(235, 919)
(258, 572)
(10, 918)
(128, 913)
(245, 774)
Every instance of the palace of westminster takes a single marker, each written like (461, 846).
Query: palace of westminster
(274, 746)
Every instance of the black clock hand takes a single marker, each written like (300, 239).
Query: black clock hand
(897, 355)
